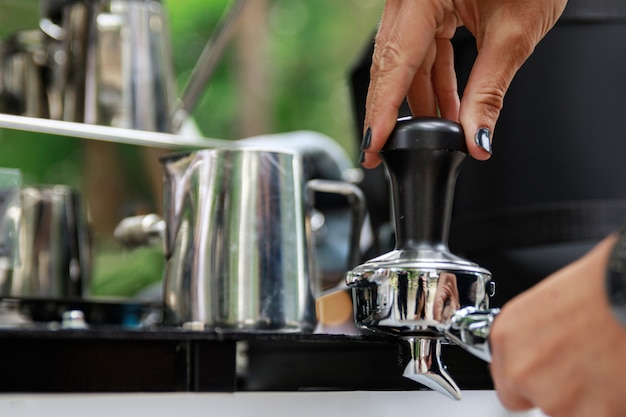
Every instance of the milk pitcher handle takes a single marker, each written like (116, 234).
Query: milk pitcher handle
(356, 199)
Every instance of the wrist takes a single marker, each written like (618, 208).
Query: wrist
(615, 278)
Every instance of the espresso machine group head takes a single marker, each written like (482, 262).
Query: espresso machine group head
(420, 292)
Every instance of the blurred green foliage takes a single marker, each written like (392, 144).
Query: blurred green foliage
(310, 48)
(307, 50)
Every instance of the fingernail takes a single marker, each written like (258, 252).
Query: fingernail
(483, 139)
(367, 139)
(362, 157)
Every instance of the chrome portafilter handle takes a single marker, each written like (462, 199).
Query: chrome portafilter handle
(470, 328)
(420, 292)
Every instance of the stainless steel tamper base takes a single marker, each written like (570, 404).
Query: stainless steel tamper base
(432, 299)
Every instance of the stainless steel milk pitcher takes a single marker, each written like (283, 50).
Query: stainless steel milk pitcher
(238, 240)
(110, 63)
(55, 248)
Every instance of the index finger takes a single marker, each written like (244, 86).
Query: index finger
(406, 33)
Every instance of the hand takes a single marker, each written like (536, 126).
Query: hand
(559, 347)
(447, 297)
(413, 57)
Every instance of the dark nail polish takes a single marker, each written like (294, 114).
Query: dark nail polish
(362, 157)
(483, 139)
(367, 139)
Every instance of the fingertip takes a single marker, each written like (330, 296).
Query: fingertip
(479, 142)
(379, 125)
(369, 160)
(478, 153)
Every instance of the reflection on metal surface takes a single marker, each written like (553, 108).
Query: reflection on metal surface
(10, 213)
(411, 299)
(55, 249)
(426, 305)
(236, 243)
(238, 240)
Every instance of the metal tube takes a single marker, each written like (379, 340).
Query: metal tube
(110, 134)
(205, 66)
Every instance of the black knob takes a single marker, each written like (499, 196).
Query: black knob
(423, 157)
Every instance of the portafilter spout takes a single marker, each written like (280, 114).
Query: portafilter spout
(420, 291)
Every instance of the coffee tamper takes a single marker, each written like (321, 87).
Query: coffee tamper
(420, 292)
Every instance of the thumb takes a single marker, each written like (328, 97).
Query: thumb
(495, 66)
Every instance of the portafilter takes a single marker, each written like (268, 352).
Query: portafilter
(420, 292)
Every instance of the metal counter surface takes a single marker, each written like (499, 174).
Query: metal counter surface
(300, 404)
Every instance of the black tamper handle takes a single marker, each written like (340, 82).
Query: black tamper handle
(423, 157)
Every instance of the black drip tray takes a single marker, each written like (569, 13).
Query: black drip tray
(158, 359)
(363, 364)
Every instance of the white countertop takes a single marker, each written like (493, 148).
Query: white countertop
(258, 404)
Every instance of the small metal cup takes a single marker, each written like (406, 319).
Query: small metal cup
(54, 246)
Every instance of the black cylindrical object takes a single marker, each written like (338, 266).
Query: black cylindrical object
(423, 157)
